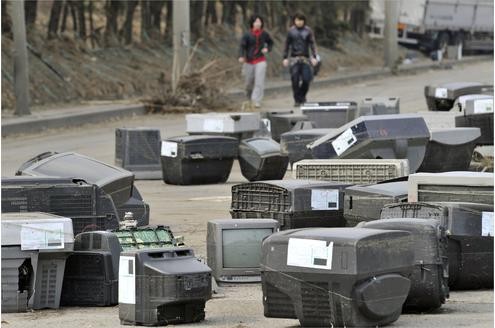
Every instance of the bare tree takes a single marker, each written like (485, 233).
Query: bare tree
(126, 31)
(54, 19)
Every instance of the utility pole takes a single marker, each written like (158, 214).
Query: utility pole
(21, 77)
(391, 20)
(181, 32)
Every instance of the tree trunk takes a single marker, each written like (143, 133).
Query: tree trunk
(196, 8)
(64, 17)
(169, 22)
(6, 20)
(30, 11)
(81, 18)
(111, 10)
(211, 11)
(74, 17)
(228, 12)
(54, 19)
(156, 19)
(126, 31)
(92, 34)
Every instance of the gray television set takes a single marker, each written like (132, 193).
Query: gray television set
(234, 248)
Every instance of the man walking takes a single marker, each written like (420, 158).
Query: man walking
(254, 45)
(296, 55)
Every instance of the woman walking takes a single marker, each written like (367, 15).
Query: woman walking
(254, 45)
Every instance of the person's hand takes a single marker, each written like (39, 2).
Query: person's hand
(264, 50)
(285, 62)
(314, 62)
(241, 60)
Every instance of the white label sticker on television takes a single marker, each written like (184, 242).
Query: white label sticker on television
(127, 280)
(324, 199)
(42, 236)
(310, 253)
(344, 142)
(483, 106)
(487, 224)
(441, 93)
(169, 149)
(267, 123)
(213, 125)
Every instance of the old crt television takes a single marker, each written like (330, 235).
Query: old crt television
(234, 248)
(115, 181)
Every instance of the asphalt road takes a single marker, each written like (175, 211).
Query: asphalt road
(187, 208)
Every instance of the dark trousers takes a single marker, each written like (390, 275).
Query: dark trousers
(301, 76)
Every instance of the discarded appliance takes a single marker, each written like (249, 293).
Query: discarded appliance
(198, 159)
(226, 124)
(294, 143)
(260, 159)
(293, 203)
(379, 106)
(332, 114)
(442, 97)
(234, 248)
(162, 286)
(138, 150)
(338, 277)
(376, 137)
(283, 121)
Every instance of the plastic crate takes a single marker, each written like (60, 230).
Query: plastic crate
(364, 271)
(260, 159)
(138, 150)
(429, 280)
(283, 121)
(332, 114)
(160, 287)
(89, 207)
(294, 143)
(379, 106)
(377, 137)
(462, 186)
(222, 123)
(442, 97)
(364, 203)
(470, 248)
(450, 150)
(353, 171)
(293, 203)
(198, 159)
(482, 121)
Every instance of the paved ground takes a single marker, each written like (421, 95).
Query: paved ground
(187, 208)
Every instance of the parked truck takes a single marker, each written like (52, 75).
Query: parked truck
(432, 25)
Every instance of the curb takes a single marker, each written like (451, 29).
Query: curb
(97, 114)
(88, 115)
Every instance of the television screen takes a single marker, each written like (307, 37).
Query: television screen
(242, 247)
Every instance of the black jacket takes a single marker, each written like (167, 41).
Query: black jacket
(251, 48)
(298, 42)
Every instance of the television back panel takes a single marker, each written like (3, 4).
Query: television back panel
(377, 137)
(138, 150)
(362, 270)
(198, 159)
(283, 121)
(470, 240)
(429, 280)
(222, 123)
(115, 181)
(364, 203)
(450, 150)
(461, 186)
(353, 171)
(482, 121)
(294, 143)
(260, 159)
(294, 203)
(379, 106)
(89, 207)
(332, 114)
(90, 279)
(442, 97)
(163, 286)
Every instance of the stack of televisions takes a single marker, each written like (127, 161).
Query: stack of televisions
(356, 238)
